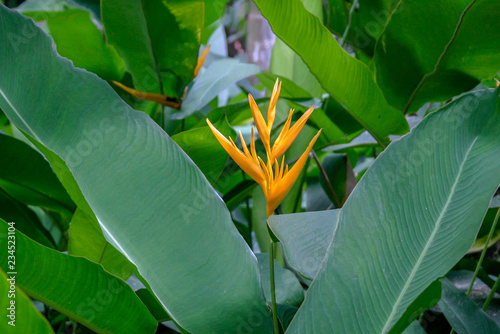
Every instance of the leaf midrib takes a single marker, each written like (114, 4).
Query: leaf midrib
(441, 57)
(429, 242)
(19, 115)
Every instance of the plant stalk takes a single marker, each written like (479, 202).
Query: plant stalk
(480, 263)
(483, 253)
(492, 294)
(495, 286)
(346, 31)
(336, 200)
(273, 287)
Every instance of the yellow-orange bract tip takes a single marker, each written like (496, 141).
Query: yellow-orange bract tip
(287, 135)
(278, 193)
(201, 61)
(246, 163)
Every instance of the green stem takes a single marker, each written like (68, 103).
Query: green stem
(495, 286)
(75, 325)
(344, 36)
(485, 248)
(273, 288)
(492, 293)
(327, 180)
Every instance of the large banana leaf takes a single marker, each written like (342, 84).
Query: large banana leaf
(86, 240)
(286, 63)
(345, 78)
(151, 200)
(76, 287)
(416, 62)
(414, 214)
(159, 40)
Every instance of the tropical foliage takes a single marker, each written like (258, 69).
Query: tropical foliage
(123, 208)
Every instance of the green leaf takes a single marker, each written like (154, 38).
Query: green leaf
(417, 62)
(427, 300)
(94, 298)
(86, 239)
(438, 173)
(78, 39)
(42, 10)
(305, 238)
(415, 328)
(286, 63)
(337, 169)
(204, 149)
(93, 5)
(217, 77)
(482, 235)
(470, 264)
(21, 314)
(26, 220)
(159, 40)
(289, 89)
(213, 12)
(286, 314)
(153, 305)
(236, 195)
(368, 22)
(463, 315)
(346, 79)
(288, 289)
(28, 177)
(340, 116)
(123, 161)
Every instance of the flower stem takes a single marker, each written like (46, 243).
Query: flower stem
(492, 294)
(273, 288)
(495, 286)
(346, 31)
(480, 262)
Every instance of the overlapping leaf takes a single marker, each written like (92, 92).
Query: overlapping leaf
(152, 202)
(98, 300)
(345, 78)
(416, 62)
(159, 40)
(407, 205)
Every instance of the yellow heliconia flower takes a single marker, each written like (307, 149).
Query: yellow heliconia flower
(275, 184)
